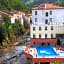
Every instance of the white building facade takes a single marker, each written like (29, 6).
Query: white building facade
(16, 15)
(47, 22)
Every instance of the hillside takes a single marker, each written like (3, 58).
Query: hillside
(37, 2)
(12, 5)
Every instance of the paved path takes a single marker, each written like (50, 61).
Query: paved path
(23, 60)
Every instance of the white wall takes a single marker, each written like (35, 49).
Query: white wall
(57, 23)
(57, 16)
(57, 29)
(21, 20)
(12, 19)
(28, 19)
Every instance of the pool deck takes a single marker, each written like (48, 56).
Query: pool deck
(31, 53)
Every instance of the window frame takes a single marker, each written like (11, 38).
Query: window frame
(46, 21)
(45, 36)
(35, 19)
(50, 19)
(39, 28)
(35, 12)
(46, 28)
(52, 28)
(33, 28)
(46, 14)
(50, 12)
(51, 35)
(39, 35)
(33, 36)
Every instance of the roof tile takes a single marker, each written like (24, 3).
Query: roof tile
(48, 6)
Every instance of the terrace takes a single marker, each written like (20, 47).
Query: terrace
(44, 54)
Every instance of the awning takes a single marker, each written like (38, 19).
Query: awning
(42, 40)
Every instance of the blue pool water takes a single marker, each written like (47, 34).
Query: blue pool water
(45, 51)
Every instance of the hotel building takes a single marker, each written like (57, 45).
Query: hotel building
(46, 28)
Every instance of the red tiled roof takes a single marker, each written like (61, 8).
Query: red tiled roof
(47, 6)
(28, 14)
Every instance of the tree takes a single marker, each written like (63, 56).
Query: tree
(6, 20)
(12, 5)
(18, 28)
(62, 4)
(3, 33)
(10, 31)
(58, 2)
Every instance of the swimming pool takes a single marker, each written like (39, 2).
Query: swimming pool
(45, 51)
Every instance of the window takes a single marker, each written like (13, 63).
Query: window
(46, 21)
(43, 44)
(45, 27)
(35, 19)
(33, 28)
(39, 35)
(52, 28)
(34, 43)
(39, 28)
(33, 35)
(51, 35)
(45, 35)
(30, 21)
(50, 12)
(35, 12)
(50, 19)
(46, 13)
(48, 44)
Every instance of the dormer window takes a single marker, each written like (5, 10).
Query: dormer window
(42, 7)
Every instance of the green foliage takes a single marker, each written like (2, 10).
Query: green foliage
(23, 29)
(19, 5)
(56, 63)
(10, 31)
(62, 4)
(58, 2)
(6, 17)
(29, 2)
(7, 20)
(18, 28)
(12, 5)
(3, 33)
